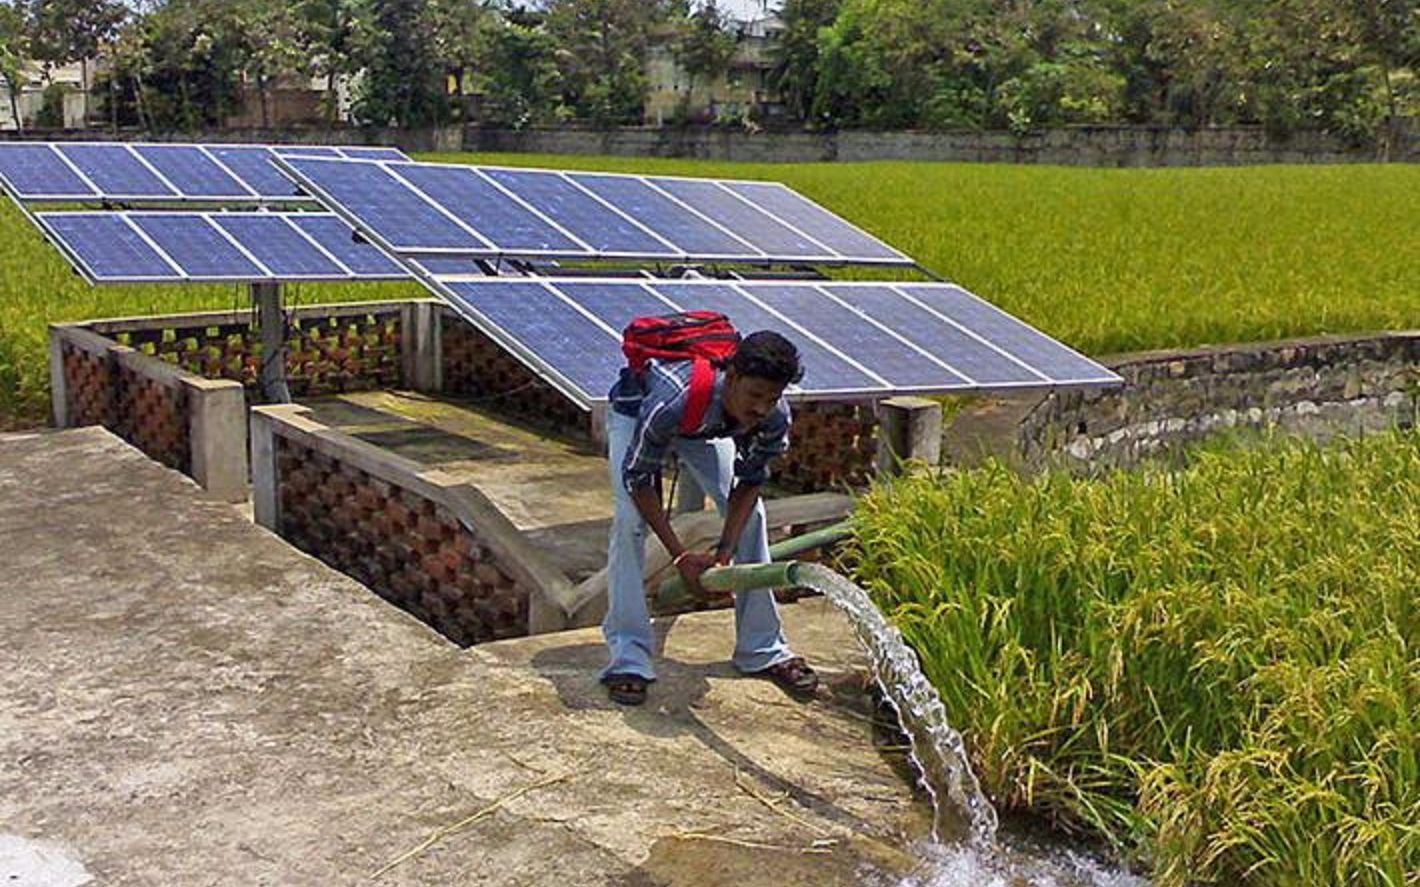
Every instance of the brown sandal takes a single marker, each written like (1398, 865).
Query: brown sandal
(793, 676)
(626, 689)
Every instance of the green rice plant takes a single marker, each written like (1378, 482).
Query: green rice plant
(1214, 666)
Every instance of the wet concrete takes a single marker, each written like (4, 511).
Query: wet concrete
(185, 699)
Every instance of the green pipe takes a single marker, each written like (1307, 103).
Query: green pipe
(779, 574)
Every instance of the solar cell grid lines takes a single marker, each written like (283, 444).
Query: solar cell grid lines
(573, 215)
(867, 340)
(148, 247)
(157, 172)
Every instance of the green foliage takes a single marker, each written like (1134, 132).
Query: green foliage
(1212, 667)
(51, 109)
(14, 50)
(520, 79)
(703, 46)
(601, 45)
(402, 82)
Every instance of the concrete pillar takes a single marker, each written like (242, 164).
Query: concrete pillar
(217, 430)
(265, 474)
(273, 341)
(426, 347)
(58, 384)
(909, 428)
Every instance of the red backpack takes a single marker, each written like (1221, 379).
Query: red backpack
(705, 337)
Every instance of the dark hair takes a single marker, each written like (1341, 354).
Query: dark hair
(768, 355)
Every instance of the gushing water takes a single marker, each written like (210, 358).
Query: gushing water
(961, 812)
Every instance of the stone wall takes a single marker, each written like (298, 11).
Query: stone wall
(427, 542)
(331, 348)
(1315, 386)
(833, 446)
(188, 423)
(1071, 145)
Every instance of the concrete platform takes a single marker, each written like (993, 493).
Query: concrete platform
(185, 699)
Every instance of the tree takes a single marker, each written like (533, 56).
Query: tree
(334, 34)
(601, 55)
(461, 32)
(796, 67)
(521, 80)
(703, 48)
(68, 31)
(14, 50)
(403, 80)
(268, 39)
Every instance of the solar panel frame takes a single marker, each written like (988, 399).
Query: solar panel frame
(450, 289)
(582, 182)
(52, 225)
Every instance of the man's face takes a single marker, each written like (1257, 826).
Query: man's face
(750, 399)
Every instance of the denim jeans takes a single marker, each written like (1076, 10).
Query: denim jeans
(759, 637)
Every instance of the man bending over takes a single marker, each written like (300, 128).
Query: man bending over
(744, 426)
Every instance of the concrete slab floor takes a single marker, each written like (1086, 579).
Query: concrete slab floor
(185, 699)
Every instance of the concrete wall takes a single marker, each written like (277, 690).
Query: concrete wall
(1318, 387)
(1074, 145)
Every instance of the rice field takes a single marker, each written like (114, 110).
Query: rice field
(1213, 667)
(1108, 260)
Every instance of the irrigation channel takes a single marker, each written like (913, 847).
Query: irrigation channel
(965, 849)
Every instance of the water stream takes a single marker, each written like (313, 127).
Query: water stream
(964, 850)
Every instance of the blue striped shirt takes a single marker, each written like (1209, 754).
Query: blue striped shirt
(659, 408)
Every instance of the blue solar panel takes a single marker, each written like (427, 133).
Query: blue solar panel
(38, 172)
(116, 171)
(673, 222)
(1006, 332)
(589, 220)
(201, 250)
(488, 210)
(575, 347)
(374, 153)
(823, 369)
(253, 166)
(852, 333)
(306, 151)
(278, 246)
(814, 220)
(450, 265)
(191, 171)
(107, 248)
(614, 304)
(963, 353)
(338, 238)
(388, 207)
(739, 216)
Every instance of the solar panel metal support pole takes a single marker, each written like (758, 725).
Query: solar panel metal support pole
(272, 323)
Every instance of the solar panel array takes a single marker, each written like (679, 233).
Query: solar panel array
(145, 172)
(864, 340)
(426, 209)
(174, 247)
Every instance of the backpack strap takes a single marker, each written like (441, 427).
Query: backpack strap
(697, 399)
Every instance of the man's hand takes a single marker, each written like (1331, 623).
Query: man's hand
(691, 564)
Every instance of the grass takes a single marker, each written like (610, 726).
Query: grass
(1214, 667)
(1108, 260)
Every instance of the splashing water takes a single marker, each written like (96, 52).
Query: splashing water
(961, 812)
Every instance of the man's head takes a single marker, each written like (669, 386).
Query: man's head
(763, 366)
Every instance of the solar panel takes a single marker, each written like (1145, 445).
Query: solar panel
(136, 247)
(866, 340)
(338, 239)
(35, 171)
(105, 247)
(254, 167)
(116, 171)
(545, 214)
(474, 200)
(193, 171)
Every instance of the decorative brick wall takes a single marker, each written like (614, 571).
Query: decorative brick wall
(409, 549)
(330, 349)
(151, 413)
(833, 445)
(88, 385)
(1316, 386)
(475, 366)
